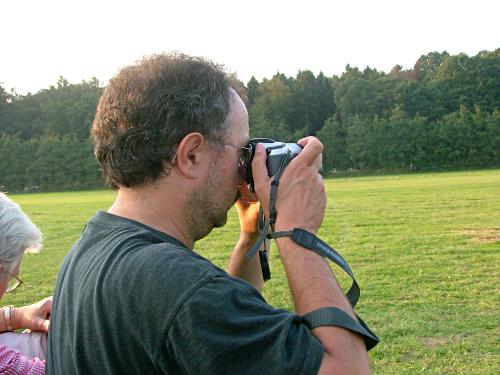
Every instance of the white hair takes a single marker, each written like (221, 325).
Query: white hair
(18, 235)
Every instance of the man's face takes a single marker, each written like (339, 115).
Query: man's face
(209, 205)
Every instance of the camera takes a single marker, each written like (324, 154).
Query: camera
(276, 155)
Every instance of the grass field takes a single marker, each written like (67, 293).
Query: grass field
(425, 249)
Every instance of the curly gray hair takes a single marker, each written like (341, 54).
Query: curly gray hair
(18, 234)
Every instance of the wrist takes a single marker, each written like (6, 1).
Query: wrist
(7, 315)
(14, 318)
(247, 239)
(288, 249)
(283, 226)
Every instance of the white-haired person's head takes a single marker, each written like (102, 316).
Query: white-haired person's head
(18, 235)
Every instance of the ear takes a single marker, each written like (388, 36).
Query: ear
(192, 155)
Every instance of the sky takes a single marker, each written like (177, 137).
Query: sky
(42, 40)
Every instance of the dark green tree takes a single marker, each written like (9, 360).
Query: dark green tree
(253, 91)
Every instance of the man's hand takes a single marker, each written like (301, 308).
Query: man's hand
(33, 317)
(239, 265)
(300, 203)
(248, 209)
(300, 198)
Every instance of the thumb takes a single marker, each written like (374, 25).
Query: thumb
(259, 169)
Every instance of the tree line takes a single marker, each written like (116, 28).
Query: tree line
(443, 113)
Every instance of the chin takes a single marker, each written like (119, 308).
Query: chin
(221, 221)
(200, 233)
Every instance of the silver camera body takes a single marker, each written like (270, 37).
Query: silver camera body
(276, 151)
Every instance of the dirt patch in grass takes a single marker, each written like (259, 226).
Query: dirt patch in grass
(434, 342)
(437, 341)
(483, 235)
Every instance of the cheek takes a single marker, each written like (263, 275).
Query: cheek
(231, 173)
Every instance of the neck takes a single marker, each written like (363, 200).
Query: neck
(157, 206)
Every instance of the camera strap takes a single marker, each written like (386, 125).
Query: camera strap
(272, 207)
(331, 316)
(310, 241)
(326, 316)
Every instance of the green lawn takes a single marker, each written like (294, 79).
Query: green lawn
(425, 249)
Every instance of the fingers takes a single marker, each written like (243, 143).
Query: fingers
(34, 317)
(246, 196)
(39, 319)
(304, 141)
(261, 177)
(302, 192)
(311, 153)
(39, 324)
(259, 168)
(45, 306)
(311, 157)
(248, 217)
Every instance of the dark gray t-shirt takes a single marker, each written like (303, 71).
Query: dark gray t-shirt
(132, 300)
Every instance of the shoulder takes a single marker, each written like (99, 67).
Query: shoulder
(172, 260)
(160, 274)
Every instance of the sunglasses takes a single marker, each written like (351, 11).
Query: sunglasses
(246, 153)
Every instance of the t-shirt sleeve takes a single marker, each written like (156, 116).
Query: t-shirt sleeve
(226, 327)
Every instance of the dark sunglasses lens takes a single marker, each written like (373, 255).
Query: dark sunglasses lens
(244, 161)
(246, 156)
(249, 152)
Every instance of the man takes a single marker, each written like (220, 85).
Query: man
(133, 298)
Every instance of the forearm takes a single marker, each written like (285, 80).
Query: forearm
(8, 319)
(246, 268)
(311, 280)
(313, 286)
(300, 202)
